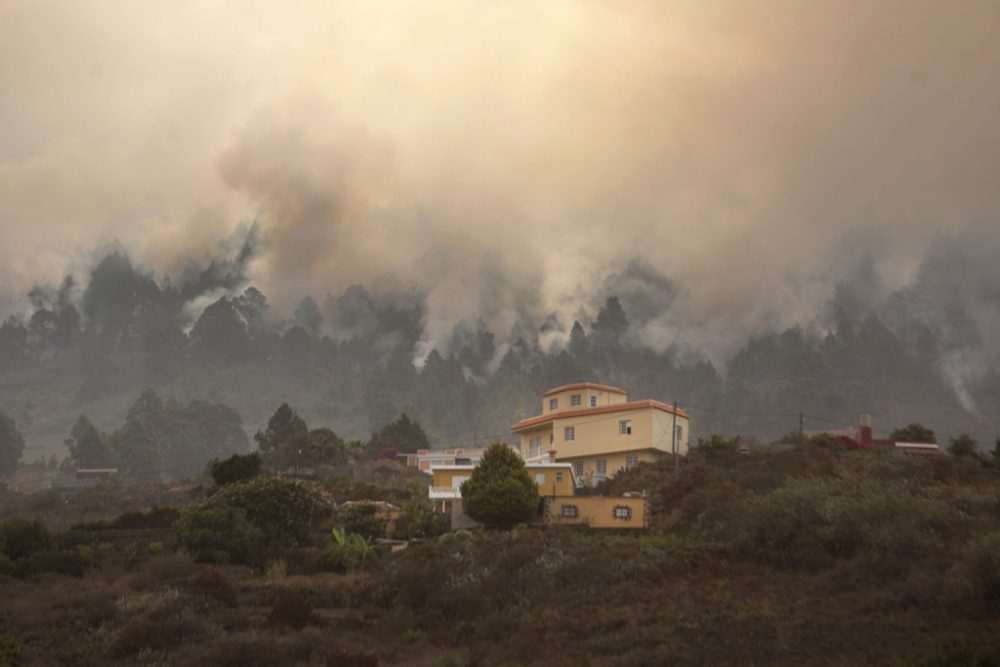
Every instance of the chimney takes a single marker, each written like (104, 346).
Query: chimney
(865, 432)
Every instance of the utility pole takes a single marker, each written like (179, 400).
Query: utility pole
(802, 425)
(675, 445)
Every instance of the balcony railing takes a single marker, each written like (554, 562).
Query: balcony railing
(443, 492)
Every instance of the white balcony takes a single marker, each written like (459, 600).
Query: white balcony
(443, 492)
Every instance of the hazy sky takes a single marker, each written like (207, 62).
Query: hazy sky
(752, 151)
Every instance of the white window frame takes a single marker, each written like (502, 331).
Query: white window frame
(575, 399)
(578, 468)
(625, 427)
(569, 433)
(601, 467)
(553, 404)
(540, 478)
(535, 445)
(593, 400)
(570, 511)
(622, 513)
(559, 477)
(631, 461)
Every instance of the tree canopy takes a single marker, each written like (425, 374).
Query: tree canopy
(963, 445)
(403, 435)
(88, 447)
(913, 433)
(500, 493)
(283, 425)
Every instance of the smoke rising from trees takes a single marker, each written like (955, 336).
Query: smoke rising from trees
(479, 176)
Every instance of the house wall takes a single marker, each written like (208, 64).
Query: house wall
(552, 480)
(448, 477)
(616, 462)
(597, 512)
(555, 481)
(599, 434)
(543, 432)
(565, 399)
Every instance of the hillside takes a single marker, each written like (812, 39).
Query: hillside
(780, 557)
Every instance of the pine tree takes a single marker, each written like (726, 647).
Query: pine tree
(500, 493)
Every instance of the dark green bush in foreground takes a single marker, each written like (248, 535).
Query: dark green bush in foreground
(21, 538)
(219, 534)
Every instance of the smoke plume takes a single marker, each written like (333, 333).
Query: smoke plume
(738, 159)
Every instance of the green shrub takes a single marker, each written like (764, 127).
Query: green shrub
(219, 534)
(500, 493)
(347, 552)
(807, 523)
(21, 538)
(283, 511)
(155, 519)
(362, 519)
(158, 518)
(960, 652)
(418, 519)
(780, 527)
(237, 468)
(66, 561)
(10, 652)
(714, 446)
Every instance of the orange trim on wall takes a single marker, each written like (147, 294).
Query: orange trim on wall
(585, 385)
(621, 407)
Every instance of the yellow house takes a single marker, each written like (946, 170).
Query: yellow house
(599, 431)
(553, 479)
(598, 511)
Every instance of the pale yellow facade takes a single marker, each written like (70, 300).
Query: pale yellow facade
(556, 489)
(575, 397)
(551, 480)
(602, 439)
(597, 512)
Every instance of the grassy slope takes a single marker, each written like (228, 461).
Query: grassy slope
(797, 557)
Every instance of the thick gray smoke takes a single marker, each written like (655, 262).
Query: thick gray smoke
(737, 159)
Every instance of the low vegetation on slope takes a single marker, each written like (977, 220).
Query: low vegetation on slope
(798, 556)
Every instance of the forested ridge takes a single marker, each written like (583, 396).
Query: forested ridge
(350, 361)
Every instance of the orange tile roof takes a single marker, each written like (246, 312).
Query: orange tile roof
(585, 385)
(604, 409)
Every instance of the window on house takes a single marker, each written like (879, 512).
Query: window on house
(623, 512)
(625, 427)
(570, 511)
(553, 404)
(631, 461)
(539, 478)
(578, 469)
(680, 434)
(536, 445)
(602, 466)
(574, 400)
(559, 476)
(569, 433)
(593, 400)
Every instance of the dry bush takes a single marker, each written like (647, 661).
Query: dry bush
(341, 658)
(982, 558)
(291, 608)
(240, 652)
(209, 582)
(165, 569)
